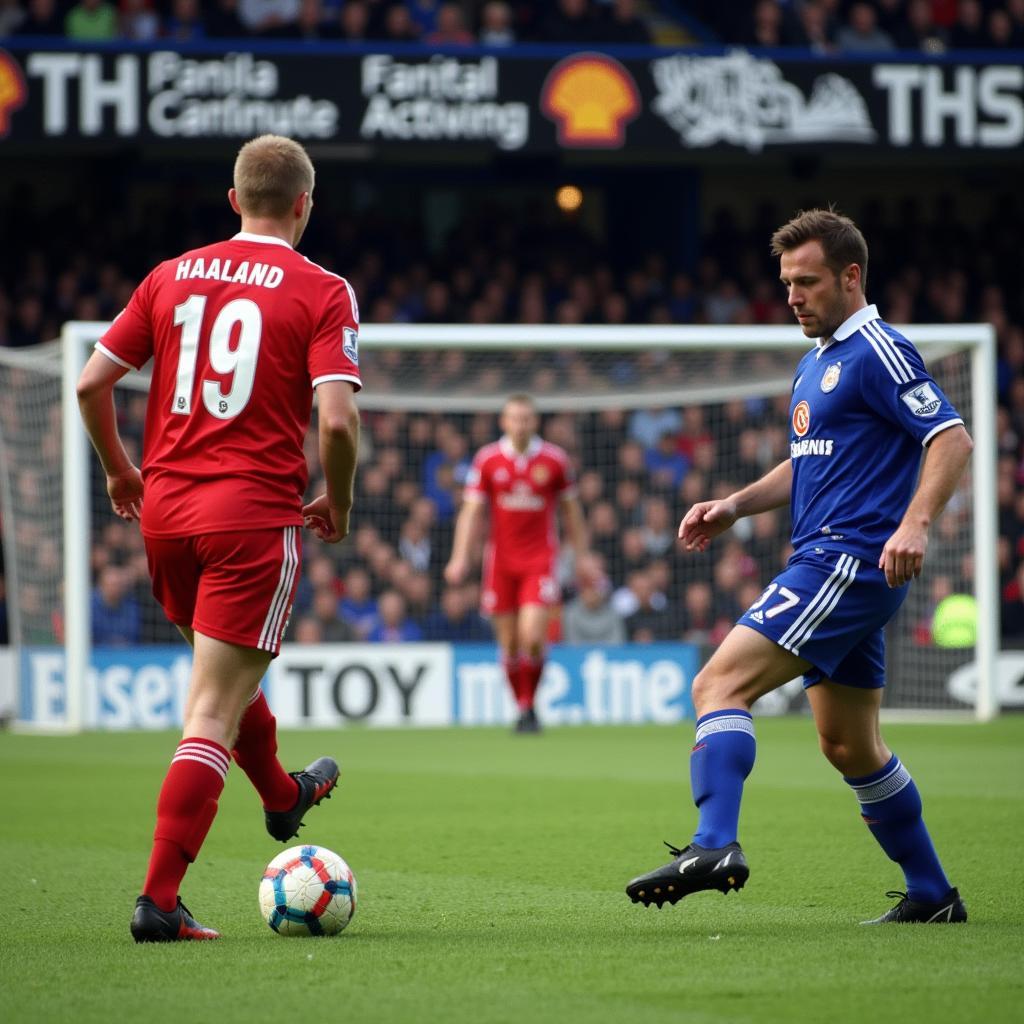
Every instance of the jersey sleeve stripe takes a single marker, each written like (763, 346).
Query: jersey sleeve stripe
(896, 374)
(893, 345)
(100, 347)
(887, 352)
(337, 376)
(352, 300)
(939, 428)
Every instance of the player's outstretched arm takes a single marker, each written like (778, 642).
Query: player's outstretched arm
(466, 526)
(944, 463)
(96, 403)
(707, 519)
(328, 515)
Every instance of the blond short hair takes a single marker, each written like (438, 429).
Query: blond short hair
(271, 172)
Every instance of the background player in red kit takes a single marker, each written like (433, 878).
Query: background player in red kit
(241, 333)
(522, 479)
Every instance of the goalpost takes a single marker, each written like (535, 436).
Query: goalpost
(725, 387)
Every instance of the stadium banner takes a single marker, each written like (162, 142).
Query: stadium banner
(386, 685)
(613, 685)
(126, 688)
(371, 101)
(329, 685)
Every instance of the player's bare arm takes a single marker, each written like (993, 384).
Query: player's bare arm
(466, 526)
(328, 515)
(96, 401)
(707, 519)
(576, 535)
(944, 463)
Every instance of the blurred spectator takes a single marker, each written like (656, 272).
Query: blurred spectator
(91, 20)
(324, 614)
(311, 23)
(666, 464)
(862, 34)
(814, 23)
(393, 625)
(425, 14)
(43, 18)
(496, 26)
(648, 426)
(651, 620)
(968, 31)
(451, 28)
(398, 25)
(457, 619)
(622, 24)
(185, 22)
(11, 17)
(919, 31)
(354, 24)
(357, 607)
(138, 20)
(268, 17)
(116, 617)
(590, 618)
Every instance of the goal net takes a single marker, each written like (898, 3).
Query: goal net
(654, 418)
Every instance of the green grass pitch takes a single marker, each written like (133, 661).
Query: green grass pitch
(491, 870)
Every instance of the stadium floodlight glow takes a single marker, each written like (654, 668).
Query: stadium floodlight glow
(569, 198)
(668, 366)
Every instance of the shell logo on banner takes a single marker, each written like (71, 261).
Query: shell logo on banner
(12, 91)
(591, 98)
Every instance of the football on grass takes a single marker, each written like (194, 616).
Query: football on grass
(308, 890)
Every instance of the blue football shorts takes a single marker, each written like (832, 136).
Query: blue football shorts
(830, 609)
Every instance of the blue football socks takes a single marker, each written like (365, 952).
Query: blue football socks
(891, 807)
(720, 762)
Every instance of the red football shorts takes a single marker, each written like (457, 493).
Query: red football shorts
(237, 587)
(505, 592)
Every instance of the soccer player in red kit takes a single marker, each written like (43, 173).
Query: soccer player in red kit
(241, 333)
(522, 479)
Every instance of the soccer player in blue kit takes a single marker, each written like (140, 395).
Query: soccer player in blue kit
(863, 409)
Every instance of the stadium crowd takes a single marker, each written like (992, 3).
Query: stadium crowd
(639, 467)
(827, 26)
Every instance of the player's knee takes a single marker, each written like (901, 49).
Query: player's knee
(847, 758)
(715, 690)
(836, 752)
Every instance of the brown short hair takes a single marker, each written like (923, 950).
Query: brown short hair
(271, 172)
(840, 240)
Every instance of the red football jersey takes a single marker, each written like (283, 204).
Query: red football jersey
(523, 492)
(240, 333)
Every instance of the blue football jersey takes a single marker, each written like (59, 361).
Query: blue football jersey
(863, 408)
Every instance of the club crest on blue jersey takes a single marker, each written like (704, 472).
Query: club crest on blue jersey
(801, 419)
(350, 344)
(922, 400)
(830, 378)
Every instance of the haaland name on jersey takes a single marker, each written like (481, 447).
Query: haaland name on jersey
(266, 275)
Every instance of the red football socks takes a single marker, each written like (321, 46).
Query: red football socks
(256, 754)
(514, 676)
(184, 813)
(530, 671)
